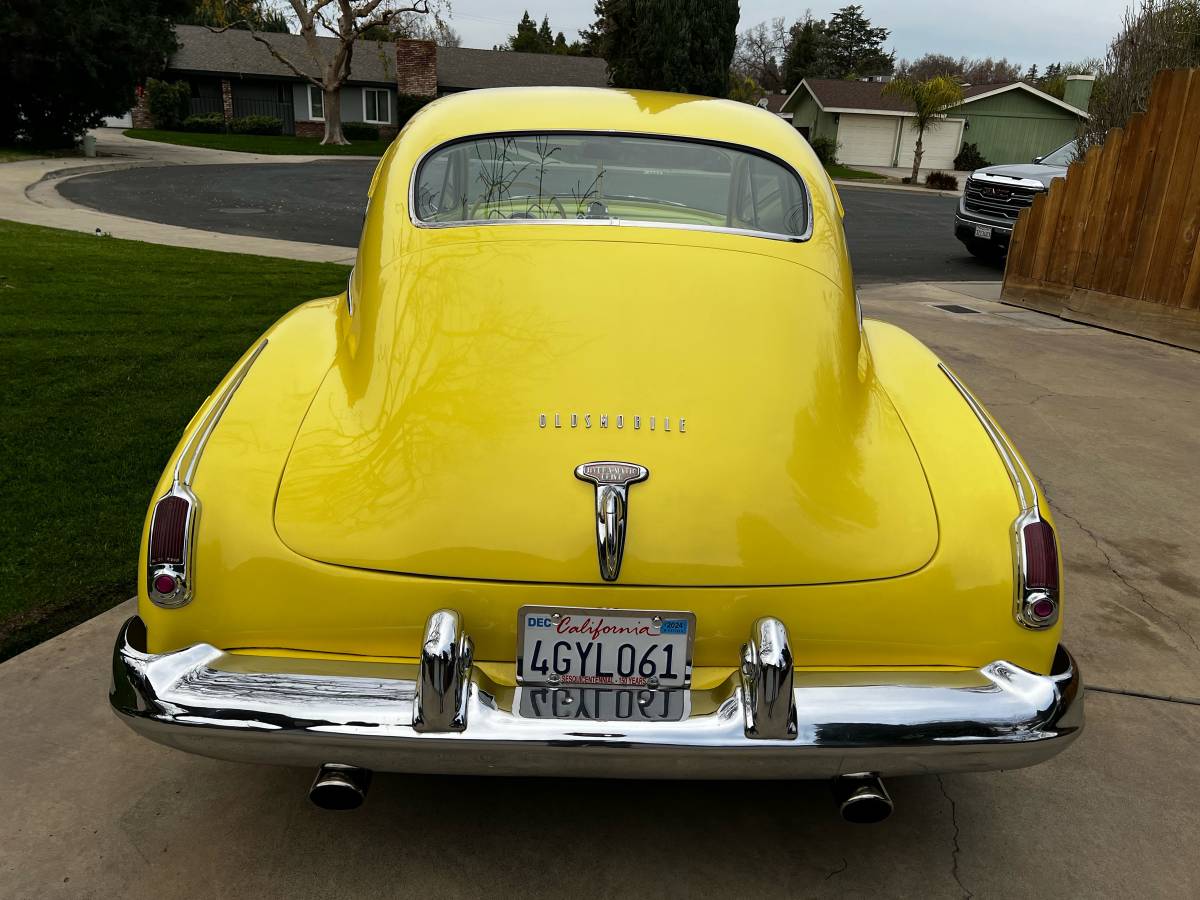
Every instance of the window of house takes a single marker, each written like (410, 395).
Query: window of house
(375, 106)
(316, 103)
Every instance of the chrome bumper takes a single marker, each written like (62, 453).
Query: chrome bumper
(446, 716)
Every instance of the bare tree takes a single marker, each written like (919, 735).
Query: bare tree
(759, 53)
(345, 21)
(1156, 35)
(423, 27)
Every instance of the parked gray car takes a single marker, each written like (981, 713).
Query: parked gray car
(994, 196)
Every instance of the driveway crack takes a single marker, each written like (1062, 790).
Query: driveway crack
(954, 838)
(1118, 574)
(845, 865)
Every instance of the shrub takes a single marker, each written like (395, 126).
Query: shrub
(168, 102)
(256, 125)
(360, 131)
(941, 181)
(826, 150)
(969, 159)
(213, 123)
(407, 106)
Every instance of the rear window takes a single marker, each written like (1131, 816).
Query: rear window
(608, 178)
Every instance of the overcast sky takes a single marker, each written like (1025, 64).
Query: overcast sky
(1025, 31)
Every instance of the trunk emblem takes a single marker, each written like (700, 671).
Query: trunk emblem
(612, 481)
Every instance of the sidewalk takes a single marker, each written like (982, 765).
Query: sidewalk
(28, 194)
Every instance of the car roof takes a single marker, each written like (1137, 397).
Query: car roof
(534, 109)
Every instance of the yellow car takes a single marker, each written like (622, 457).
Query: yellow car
(595, 469)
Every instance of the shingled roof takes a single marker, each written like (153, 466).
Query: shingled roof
(460, 69)
(236, 52)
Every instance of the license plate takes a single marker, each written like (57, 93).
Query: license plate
(983, 231)
(602, 704)
(565, 646)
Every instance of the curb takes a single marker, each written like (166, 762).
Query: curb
(844, 182)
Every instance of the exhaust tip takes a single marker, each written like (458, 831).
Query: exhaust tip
(339, 787)
(862, 799)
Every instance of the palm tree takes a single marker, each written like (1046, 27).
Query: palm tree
(929, 99)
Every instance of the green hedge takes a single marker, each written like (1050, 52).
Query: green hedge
(256, 125)
(360, 131)
(212, 123)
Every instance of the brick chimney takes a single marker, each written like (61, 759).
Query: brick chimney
(416, 68)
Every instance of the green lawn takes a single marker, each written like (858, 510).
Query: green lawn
(16, 154)
(837, 170)
(106, 349)
(274, 144)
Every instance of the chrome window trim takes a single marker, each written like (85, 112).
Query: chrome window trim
(626, 223)
(181, 486)
(1030, 512)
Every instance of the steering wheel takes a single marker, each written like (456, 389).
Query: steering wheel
(510, 198)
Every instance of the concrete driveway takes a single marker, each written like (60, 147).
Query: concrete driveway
(1108, 422)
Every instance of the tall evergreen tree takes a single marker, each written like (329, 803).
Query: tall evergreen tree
(805, 52)
(854, 47)
(671, 45)
(526, 39)
(545, 37)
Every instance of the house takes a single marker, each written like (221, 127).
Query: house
(1009, 123)
(233, 74)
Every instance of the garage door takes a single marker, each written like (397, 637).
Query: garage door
(866, 140)
(941, 143)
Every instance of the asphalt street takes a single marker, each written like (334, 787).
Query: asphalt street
(895, 236)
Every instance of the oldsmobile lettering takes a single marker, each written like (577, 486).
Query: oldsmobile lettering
(618, 422)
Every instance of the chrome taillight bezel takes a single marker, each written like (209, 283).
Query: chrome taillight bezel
(179, 568)
(1028, 597)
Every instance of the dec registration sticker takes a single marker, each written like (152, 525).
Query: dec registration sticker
(559, 645)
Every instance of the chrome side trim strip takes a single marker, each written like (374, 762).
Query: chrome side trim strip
(181, 486)
(287, 711)
(191, 452)
(1030, 512)
(1022, 481)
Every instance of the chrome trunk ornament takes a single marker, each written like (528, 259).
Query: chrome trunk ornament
(612, 481)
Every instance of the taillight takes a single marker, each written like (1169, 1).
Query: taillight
(167, 554)
(1037, 601)
(1041, 556)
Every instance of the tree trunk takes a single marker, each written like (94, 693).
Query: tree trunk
(333, 117)
(918, 152)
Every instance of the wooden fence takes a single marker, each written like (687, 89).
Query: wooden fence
(1115, 243)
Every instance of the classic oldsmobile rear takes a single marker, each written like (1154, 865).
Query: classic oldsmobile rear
(596, 470)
